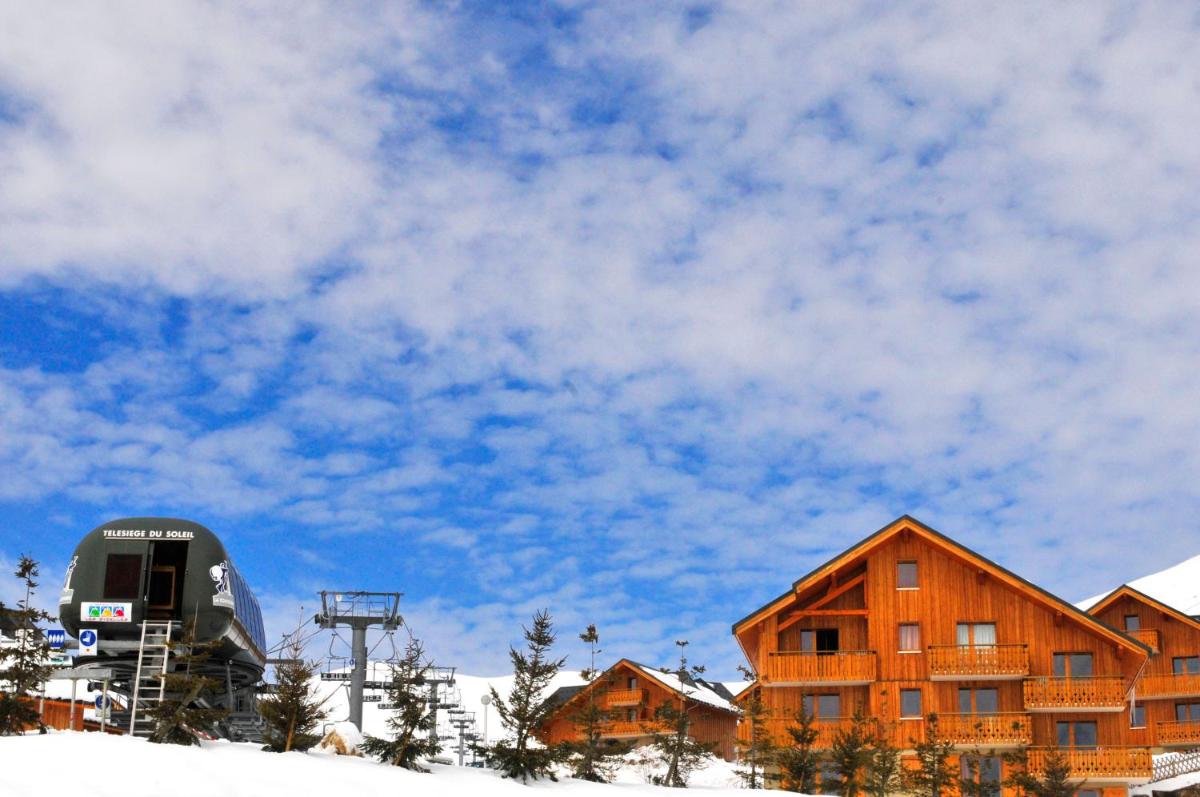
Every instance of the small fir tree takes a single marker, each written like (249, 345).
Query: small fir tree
(293, 711)
(1052, 781)
(884, 773)
(799, 763)
(520, 754)
(757, 752)
(976, 780)
(591, 758)
(850, 753)
(24, 666)
(180, 717)
(673, 743)
(933, 776)
(413, 735)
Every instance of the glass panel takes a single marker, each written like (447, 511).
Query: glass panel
(122, 576)
(1186, 665)
(962, 634)
(1063, 734)
(987, 701)
(964, 701)
(808, 641)
(1060, 664)
(906, 575)
(1137, 717)
(1085, 734)
(985, 634)
(1181, 712)
(1133, 622)
(1081, 665)
(989, 774)
(806, 705)
(827, 640)
(910, 637)
(1195, 715)
(910, 702)
(829, 706)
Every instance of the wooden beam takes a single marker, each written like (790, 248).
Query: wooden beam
(809, 610)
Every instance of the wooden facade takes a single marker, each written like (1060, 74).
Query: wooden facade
(631, 692)
(909, 623)
(1168, 691)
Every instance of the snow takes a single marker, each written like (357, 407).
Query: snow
(102, 765)
(1178, 586)
(697, 692)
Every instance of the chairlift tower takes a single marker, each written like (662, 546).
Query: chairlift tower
(462, 720)
(359, 611)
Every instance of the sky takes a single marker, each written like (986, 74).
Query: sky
(634, 311)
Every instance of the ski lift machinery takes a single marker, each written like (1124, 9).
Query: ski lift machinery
(358, 611)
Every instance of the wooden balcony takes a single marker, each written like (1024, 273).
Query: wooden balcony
(1169, 734)
(988, 731)
(624, 697)
(827, 729)
(1103, 693)
(1147, 636)
(1157, 687)
(833, 668)
(1101, 764)
(978, 662)
(627, 729)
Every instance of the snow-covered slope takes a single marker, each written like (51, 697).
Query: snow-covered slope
(101, 765)
(1177, 586)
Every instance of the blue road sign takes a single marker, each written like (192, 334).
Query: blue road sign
(100, 702)
(56, 637)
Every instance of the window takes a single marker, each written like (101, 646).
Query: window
(1088, 793)
(123, 576)
(1076, 734)
(1186, 665)
(822, 706)
(631, 715)
(631, 683)
(1187, 712)
(975, 634)
(910, 638)
(1137, 716)
(984, 770)
(819, 640)
(906, 575)
(978, 701)
(910, 703)
(1133, 622)
(1073, 665)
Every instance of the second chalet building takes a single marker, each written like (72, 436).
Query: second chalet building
(909, 623)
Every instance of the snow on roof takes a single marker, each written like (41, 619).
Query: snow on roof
(1178, 586)
(698, 690)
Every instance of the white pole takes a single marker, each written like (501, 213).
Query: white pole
(104, 707)
(71, 716)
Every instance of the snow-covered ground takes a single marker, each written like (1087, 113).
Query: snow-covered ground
(102, 765)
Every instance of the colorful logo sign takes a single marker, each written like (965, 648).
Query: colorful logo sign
(106, 612)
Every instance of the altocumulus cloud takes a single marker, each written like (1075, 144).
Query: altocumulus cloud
(632, 311)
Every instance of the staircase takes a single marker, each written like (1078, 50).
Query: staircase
(148, 682)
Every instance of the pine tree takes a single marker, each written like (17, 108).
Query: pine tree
(1054, 780)
(674, 745)
(181, 717)
(850, 754)
(591, 758)
(759, 750)
(24, 667)
(974, 780)
(520, 755)
(413, 733)
(293, 711)
(933, 777)
(798, 762)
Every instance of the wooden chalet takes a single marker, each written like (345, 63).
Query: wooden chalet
(1166, 713)
(909, 623)
(631, 692)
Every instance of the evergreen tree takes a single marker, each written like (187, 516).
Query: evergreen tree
(180, 716)
(520, 755)
(591, 758)
(933, 777)
(976, 780)
(413, 732)
(673, 743)
(292, 712)
(850, 754)
(758, 751)
(884, 774)
(1052, 781)
(24, 666)
(798, 762)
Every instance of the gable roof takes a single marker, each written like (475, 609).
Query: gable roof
(1126, 591)
(909, 523)
(695, 689)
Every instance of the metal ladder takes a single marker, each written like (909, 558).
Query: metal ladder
(149, 683)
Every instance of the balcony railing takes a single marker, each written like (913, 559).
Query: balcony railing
(986, 730)
(1172, 733)
(1147, 636)
(829, 668)
(1152, 687)
(1101, 763)
(1102, 693)
(978, 662)
(625, 697)
(776, 728)
(632, 728)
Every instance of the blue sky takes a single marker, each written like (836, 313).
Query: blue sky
(635, 311)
